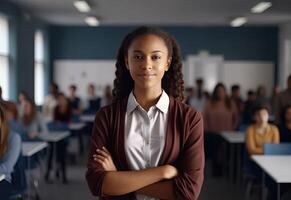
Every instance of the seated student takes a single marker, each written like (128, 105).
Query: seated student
(10, 148)
(92, 102)
(285, 126)
(74, 100)
(261, 132)
(62, 117)
(32, 121)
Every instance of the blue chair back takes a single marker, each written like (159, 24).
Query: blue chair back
(57, 126)
(277, 149)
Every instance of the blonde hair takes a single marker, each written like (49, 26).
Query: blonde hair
(4, 132)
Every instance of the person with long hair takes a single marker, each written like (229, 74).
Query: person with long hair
(220, 114)
(10, 148)
(147, 144)
(32, 121)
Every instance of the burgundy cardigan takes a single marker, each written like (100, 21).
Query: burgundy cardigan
(184, 148)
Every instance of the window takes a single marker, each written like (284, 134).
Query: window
(39, 67)
(4, 56)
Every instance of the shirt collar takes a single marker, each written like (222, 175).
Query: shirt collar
(162, 104)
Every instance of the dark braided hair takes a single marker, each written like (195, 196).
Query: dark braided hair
(172, 82)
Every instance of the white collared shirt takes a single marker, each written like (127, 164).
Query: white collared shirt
(145, 134)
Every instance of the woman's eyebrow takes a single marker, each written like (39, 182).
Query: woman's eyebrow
(156, 51)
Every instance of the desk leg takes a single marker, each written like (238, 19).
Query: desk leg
(232, 161)
(29, 178)
(278, 191)
(263, 185)
(238, 162)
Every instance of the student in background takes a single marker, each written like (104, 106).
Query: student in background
(134, 158)
(283, 100)
(50, 103)
(32, 121)
(21, 100)
(92, 102)
(62, 117)
(220, 114)
(107, 96)
(250, 105)
(236, 98)
(74, 100)
(261, 132)
(262, 98)
(285, 126)
(10, 149)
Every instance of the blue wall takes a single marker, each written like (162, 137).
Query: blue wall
(244, 43)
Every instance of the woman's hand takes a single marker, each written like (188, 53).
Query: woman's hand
(103, 157)
(169, 172)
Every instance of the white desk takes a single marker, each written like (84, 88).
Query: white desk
(76, 126)
(28, 150)
(55, 136)
(2, 177)
(276, 166)
(234, 137)
(235, 140)
(87, 118)
(31, 148)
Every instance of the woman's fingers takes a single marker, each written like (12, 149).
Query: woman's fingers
(103, 153)
(104, 148)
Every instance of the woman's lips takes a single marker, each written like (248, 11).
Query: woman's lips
(146, 76)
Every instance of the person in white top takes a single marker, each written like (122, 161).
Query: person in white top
(50, 102)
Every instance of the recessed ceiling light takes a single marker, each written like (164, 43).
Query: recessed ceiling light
(92, 21)
(261, 7)
(238, 21)
(82, 6)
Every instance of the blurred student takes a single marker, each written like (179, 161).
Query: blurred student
(285, 126)
(10, 149)
(50, 102)
(74, 100)
(261, 132)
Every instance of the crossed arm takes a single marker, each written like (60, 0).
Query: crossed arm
(153, 182)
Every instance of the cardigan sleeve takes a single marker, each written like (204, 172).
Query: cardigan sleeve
(95, 173)
(188, 183)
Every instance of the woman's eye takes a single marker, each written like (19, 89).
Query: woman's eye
(137, 57)
(156, 57)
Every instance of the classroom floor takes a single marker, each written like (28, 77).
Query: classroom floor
(213, 188)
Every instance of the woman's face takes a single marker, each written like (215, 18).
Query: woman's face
(262, 116)
(27, 107)
(288, 115)
(21, 97)
(221, 93)
(147, 61)
(62, 101)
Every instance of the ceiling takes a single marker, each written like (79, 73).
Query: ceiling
(159, 12)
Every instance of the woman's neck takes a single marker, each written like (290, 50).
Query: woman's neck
(147, 98)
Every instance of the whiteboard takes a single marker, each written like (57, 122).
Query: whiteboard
(83, 72)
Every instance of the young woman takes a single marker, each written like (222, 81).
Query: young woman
(32, 121)
(261, 132)
(10, 147)
(147, 144)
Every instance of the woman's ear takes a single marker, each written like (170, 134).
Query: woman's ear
(169, 61)
(126, 63)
